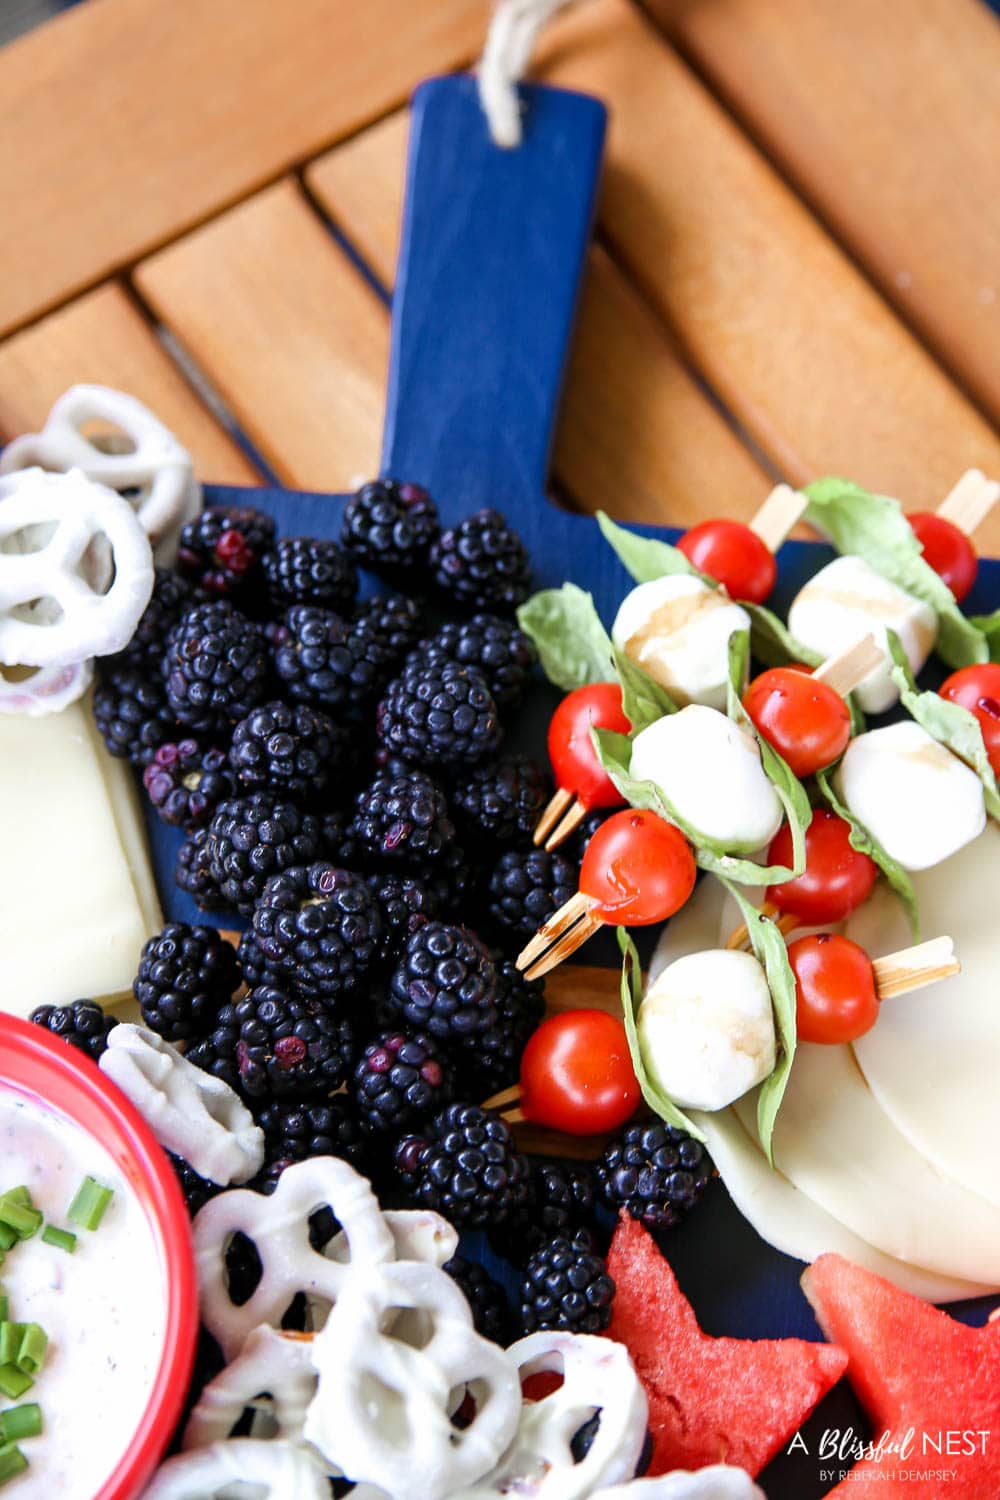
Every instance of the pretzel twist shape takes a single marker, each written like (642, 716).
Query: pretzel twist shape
(279, 1470)
(719, 1482)
(47, 691)
(272, 1363)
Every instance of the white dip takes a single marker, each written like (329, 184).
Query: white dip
(102, 1307)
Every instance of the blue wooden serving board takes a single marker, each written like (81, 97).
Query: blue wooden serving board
(492, 255)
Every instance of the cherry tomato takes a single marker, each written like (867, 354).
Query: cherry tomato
(947, 549)
(978, 690)
(571, 751)
(836, 879)
(835, 999)
(638, 868)
(734, 556)
(577, 1074)
(804, 720)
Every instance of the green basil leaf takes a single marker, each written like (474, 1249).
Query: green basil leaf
(860, 839)
(654, 1096)
(644, 557)
(990, 626)
(771, 641)
(614, 751)
(573, 646)
(643, 700)
(874, 527)
(771, 953)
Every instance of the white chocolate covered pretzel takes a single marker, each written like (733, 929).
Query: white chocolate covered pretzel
(720, 1482)
(145, 463)
(279, 1228)
(47, 690)
(245, 1466)
(272, 1364)
(418, 1234)
(395, 1358)
(191, 1112)
(58, 602)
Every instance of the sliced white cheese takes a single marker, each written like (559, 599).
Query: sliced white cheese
(677, 629)
(847, 600)
(917, 799)
(71, 919)
(711, 770)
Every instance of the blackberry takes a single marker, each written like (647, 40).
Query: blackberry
(496, 648)
(560, 1202)
(449, 880)
(186, 781)
(390, 527)
(339, 841)
(502, 800)
(310, 570)
(486, 1298)
(132, 714)
(289, 749)
(82, 1023)
(393, 621)
(216, 1053)
(438, 713)
(482, 563)
(321, 926)
(493, 1058)
(221, 549)
(254, 965)
(577, 846)
(566, 1285)
(656, 1172)
(400, 1081)
(291, 1046)
(323, 659)
(465, 1166)
(403, 820)
(171, 596)
(526, 887)
(196, 1189)
(406, 904)
(252, 838)
(193, 871)
(295, 1132)
(185, 975)
(445, 982)
(215, 666)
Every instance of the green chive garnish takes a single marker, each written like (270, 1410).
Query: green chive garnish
(11, 1335)
(19, 1195)
(90, 1204)
(7, 1237)
(13, 1382)
(24, 1221)
(12, 1463)
(4, 1306)
(19, 1422)
(34, 1346)
(62, 1239)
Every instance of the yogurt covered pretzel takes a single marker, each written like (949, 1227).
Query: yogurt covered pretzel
(192, 1113)
(245, 1466)
(47, 690)
(150, 461)
(279, 1228)
(394, 1360)
(720, 1482)
(418, 1234)
(271, 1362)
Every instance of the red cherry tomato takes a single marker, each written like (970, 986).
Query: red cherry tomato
(577, 1074)
(835, 999)
(947, 549)
(638, 868)
(804, 720)
(735, 556)
(571, 751)
(836, 879)
(978, 690)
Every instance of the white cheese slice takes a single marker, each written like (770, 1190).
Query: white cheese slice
(677, 629)
(72, 922)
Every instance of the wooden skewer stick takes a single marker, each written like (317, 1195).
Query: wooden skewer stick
(564, 932)
(843, 673)
(558, 805)
(782, 509)
(786, 923)
(970, 502)
(569, 824)
(914, 968)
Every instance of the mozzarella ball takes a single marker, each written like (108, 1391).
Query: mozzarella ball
(917, 799)
(710, 768)
(706, 1028)
(847, 600)
(677, 629)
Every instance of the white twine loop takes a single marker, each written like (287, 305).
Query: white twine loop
(510, 42)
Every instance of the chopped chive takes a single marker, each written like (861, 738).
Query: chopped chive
(62, 1239)
(11, 1335)
(24, 1221)
(7, 1237)
(12, 1463)
(4, 1306)
(13, 1382)
(19, 1195)
(19, 1422)
(89, 1205)
(34, 1346)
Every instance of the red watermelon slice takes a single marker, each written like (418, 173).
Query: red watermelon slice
(916, 1371)
(735, 1401)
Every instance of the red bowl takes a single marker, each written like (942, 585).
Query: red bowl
(36, 1064)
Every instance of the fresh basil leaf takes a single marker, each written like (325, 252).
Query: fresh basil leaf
(614, 751)
(771, 641)
(658, 1101)
(949, 723)
(644, 557)
(860, 839)
(573, 646)
(990, 626)
(874, 527)
(790, 791)
(771, 953)
(643, 700)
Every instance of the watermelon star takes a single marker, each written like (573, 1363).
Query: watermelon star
(734, 1401)
(920, 1376)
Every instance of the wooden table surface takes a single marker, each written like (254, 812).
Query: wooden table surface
(797, 266)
